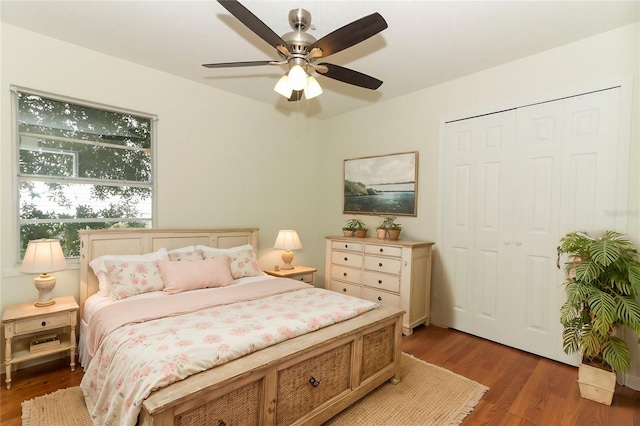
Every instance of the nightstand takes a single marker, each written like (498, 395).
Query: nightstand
(300, 273)
(25, 321)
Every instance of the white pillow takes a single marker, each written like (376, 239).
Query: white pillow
(100, 268)
(182, 249)
(207, 249)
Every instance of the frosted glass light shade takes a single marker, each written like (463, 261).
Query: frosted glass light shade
(313, 88)
(283, 87)
(42, 257)
(297, 77)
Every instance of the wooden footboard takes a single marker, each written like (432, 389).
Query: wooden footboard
(306, 380)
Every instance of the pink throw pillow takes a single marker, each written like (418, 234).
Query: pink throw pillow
(185, 276)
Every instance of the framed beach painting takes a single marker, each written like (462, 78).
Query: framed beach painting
(385, 184)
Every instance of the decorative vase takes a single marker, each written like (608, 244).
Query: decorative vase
(361, 233)
(394, 234)
(596, 384)
(347, 233)
(381, 233)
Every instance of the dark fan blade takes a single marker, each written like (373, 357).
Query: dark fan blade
(350, 76)
(239, 64)
(350, 34)
(296, 95)
(252, 22)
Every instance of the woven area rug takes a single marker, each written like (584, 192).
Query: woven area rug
(427, 396)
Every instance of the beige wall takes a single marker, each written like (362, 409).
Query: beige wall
(222, 160)
(414, 123)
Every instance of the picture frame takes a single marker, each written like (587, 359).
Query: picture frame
(381, 185)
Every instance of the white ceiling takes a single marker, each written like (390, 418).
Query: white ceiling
(426, 43)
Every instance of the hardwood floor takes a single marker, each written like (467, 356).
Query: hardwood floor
(524, 389)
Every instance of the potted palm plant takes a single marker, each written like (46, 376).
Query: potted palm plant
(602, 286)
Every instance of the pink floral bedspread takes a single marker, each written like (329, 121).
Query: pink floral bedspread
(138, 358)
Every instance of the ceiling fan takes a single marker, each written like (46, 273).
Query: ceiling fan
(301, 51)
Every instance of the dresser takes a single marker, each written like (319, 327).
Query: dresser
(394, 273)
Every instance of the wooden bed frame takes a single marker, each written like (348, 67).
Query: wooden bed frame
(305, 380)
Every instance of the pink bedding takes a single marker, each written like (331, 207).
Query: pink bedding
(134, 358)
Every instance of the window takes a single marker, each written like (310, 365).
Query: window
(80, 166)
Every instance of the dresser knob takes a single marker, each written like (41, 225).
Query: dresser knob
(44, 323)
(380, 265)
(379, 281)
(344, 289)
(381, 250)
(346, 258)
(346, 246)
(344, 273)
(379, 298)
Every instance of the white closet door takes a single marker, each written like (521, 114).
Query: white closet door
(514, 184)
(477, 203)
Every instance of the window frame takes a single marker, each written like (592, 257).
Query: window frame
(18, 177)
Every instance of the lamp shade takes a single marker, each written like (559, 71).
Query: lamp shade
(282, 87)
(297, 77)
(287, 239)
(313, 88)
(43, 256)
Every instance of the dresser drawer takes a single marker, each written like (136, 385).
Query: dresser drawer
(383, 250)
(346, 274)
(381, 297)
(346, 259)
(382, 264)
(43, 323)
(308, 384)
(346, 245)
(381, 281)
(344, 288)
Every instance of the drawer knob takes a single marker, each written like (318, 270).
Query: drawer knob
(381, 250)
(44, 323)
(344, 289)
(380, 298)
(314, 382)
(379, 281)
(346, 258)
(380, 264)
(344, 274)
(346, 246)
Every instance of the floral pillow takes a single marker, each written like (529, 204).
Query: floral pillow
(243, 263)
(131, 278)
(188, 256)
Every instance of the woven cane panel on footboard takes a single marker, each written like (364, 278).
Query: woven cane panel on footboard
(240, 407)
(312, 382)
(377, 350)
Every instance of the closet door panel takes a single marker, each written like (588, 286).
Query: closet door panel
(538, 156)
(591, 196)
(459, 221)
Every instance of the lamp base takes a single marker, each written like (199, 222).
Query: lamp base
(287, 258)
(45, 284)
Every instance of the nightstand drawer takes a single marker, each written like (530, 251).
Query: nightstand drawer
(306, 278)
(42, 323)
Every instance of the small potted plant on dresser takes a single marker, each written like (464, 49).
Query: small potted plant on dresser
(391, 228)
(352, 227)
(602, 286)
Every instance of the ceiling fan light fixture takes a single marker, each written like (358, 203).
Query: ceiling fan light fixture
(283, 87)
(297, 77)
(313, 88)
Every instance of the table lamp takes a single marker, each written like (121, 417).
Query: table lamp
(42, 257)
(287, 240)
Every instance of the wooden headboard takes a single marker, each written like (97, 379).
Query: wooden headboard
(99, 242)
